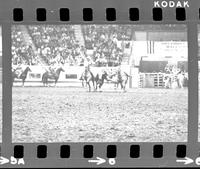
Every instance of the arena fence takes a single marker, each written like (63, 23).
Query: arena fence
(70, 77)
(151, 80)
(72, 74)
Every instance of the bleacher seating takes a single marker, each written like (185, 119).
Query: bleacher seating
(59, 44)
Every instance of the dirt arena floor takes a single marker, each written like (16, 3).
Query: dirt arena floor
(74, 115)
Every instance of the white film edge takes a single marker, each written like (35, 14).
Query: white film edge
(88, 83)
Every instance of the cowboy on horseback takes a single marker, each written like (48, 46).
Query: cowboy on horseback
(88, 77)
(51, 68)
(87, 69)
(53, 73)
(100, 78)
(20, 73)
(17, 70)
(120, 77)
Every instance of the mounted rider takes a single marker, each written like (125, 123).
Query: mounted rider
(86, 70)
(17, 70)
(52, 67)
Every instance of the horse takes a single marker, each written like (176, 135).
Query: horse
(88, 77)
(120, 78)
(181, 78)
(100, 78)
(167, 80)
(175, 80)
(20, 74)
(82, 80)
(51, 75)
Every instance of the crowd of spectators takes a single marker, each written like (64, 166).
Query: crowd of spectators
(58, 44)
(22, 52)
(106, 40)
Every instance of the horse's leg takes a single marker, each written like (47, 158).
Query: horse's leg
(94, 85)
(181, 83)
(124, 86)
(121, 85)
(23, 82)
(168, 84)
(100, 85)
(55, 82)
(43, 82)
(178, 83)
(82, 83)
(165, 82)
(89, 86)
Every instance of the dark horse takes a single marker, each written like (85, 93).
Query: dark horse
(21, 75)
(51, 75)
(88, 77)
(100, 78)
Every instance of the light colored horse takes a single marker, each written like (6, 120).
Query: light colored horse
(175, 80)
(167, 80)
(181, 77)
(120, 77)
(88, 77)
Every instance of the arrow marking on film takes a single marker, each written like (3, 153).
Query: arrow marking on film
(98, 161)
(185, 161)
(3, 160)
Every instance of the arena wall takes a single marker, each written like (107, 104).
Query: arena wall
(71, 75)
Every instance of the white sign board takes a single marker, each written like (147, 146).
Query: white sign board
(168, 48)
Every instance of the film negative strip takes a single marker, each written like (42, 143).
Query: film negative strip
(89, 83)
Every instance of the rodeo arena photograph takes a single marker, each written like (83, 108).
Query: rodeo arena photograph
(99, 83)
